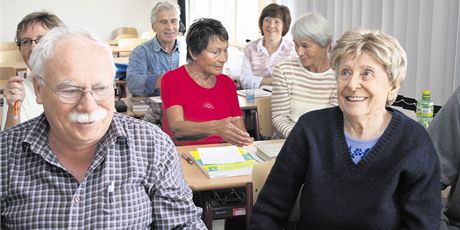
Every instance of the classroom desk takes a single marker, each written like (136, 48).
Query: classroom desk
(116, 50)
(199, 182)
(18, 65)
(129, 111)
(121, 60)
(241, 99)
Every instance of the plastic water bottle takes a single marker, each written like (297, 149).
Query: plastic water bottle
(425, 109)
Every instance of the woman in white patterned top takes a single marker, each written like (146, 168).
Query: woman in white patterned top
(307, 82)
(261, 55)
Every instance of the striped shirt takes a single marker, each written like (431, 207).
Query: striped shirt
(296, 91)
(257, 63)
(134, 182)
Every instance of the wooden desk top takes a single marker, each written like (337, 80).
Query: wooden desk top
(241, 99)
(117, 49)
(121, 59)
(198, 181)
(19, 65)
(245, 105)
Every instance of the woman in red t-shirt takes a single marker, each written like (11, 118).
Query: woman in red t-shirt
(200, 104)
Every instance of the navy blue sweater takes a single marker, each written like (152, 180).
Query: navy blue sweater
(396, 186)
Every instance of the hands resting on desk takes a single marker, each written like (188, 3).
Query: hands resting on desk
(228, 129)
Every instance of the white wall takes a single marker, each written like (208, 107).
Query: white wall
(101, 16)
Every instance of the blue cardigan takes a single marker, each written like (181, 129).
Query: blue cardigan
(396, 186)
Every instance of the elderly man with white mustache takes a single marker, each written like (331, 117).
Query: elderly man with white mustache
(80, 165)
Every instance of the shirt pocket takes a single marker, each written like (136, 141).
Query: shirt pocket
(128, 207)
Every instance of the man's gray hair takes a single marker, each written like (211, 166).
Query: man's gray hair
(164, 5)
(45, 49)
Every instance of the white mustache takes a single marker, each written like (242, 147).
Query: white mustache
(94, 116)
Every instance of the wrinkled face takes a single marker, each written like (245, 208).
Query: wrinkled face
(363, 86)
(77, 63)
(273, 27)
(33, 32)
(212, 59)
(166, 26)
(309, 51)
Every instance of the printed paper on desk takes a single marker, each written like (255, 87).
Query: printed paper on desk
(156, 99)
(220, 155)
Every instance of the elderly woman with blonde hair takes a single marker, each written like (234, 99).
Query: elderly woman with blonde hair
(363, 165)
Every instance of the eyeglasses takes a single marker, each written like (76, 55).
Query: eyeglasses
(72, 94)
(27, 42)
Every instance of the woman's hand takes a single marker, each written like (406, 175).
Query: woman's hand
(14, 91)
(267, 80)
(227, 129)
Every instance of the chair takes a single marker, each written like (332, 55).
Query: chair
(264, 118)
(9, 52)
(128, 44)
(259, 176)
(125, 32)
(7, 72)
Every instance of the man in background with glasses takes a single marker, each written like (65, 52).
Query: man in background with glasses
(19, 102)
(80, 165)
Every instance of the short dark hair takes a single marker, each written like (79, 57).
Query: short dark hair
(276, 11)
(48, 19)
(200, 32)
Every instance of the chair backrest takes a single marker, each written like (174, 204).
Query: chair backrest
(259, 176)
(9, 52)
(7, 72)
(264, 117)
(126, 32)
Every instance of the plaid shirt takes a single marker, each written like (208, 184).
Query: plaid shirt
(134, 182)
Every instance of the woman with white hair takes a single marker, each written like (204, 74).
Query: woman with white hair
(363, 165)
(306, 82)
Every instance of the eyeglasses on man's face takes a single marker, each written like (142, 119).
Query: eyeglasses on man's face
(27, 42)
(71, 94)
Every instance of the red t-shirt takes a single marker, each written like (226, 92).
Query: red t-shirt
(199, 104)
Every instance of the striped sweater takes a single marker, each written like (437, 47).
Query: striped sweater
(296, 90)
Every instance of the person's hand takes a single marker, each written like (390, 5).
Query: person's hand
(14, 91)
(231, 133)
(267, 80)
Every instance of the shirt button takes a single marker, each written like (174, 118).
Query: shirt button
(76, 200)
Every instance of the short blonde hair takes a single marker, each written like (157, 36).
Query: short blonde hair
(381, 46)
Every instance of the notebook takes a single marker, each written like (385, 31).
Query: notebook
(257, 93)
(268, 151)
(226, 169)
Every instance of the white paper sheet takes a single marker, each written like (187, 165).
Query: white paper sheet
(220, 155)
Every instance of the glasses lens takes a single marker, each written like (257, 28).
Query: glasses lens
(101, 93)
(70, 95)
(26, 42)
(74, 94)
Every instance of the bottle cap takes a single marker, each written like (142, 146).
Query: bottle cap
(426, 92)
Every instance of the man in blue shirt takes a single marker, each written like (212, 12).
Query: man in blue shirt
(149, 61)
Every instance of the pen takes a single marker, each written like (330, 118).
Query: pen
(16, 110)
(266, 90)
(190, 161)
